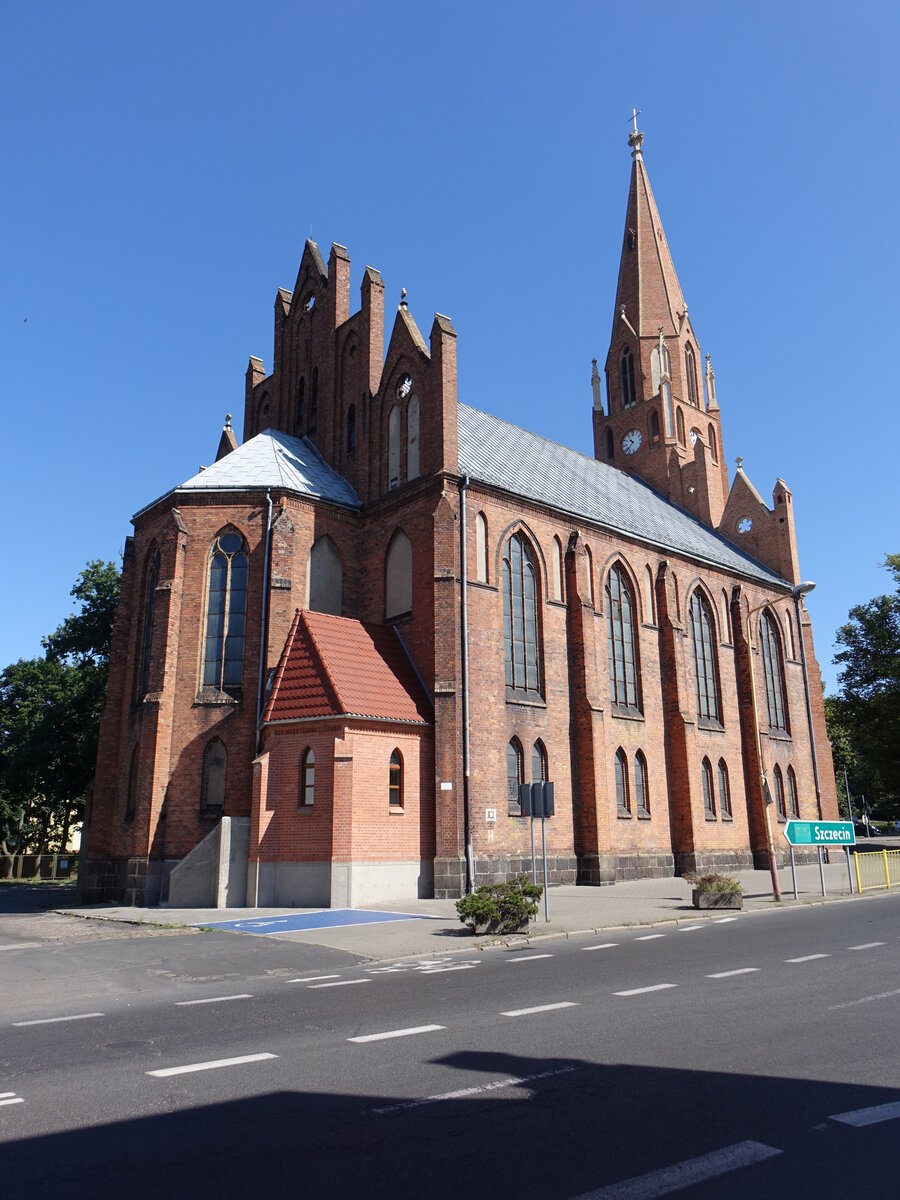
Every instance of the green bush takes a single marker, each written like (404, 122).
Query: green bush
(500, 907)
(714, 883)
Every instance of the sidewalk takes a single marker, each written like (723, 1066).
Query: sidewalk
(572, 910)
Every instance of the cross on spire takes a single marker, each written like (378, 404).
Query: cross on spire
(635, 138)
(635, 113)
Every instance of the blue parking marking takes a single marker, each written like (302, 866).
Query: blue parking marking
(327, 918)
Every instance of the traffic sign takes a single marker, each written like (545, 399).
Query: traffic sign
(820, 833)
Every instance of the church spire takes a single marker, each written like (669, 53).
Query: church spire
(648, 285)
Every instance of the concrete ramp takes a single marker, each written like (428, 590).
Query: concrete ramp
(214, 874)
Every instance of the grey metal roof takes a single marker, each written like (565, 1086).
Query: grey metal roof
(516, 461)
(272, 460)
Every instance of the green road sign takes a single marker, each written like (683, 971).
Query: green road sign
(820, 833)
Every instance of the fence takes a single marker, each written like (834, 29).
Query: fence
(39, 866)
(877, 869)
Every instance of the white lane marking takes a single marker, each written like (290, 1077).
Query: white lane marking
(215, 999)
(463, 1093)
(165, 1072)
(807, 958)
(602, 946)
(649, 937)
(728, 974)
(14, 1099)
(23, 946)
(655, 987)
(55, 1020)
(340, 983)
(526, 1012)
(866, 946)
(312, 978)
(865, 1000)
(529, 957)
(396, 1033)
(723, 920)
(689, 928)
(860, 1117)
(685, 1174)
(462, 966)
(6, 1095)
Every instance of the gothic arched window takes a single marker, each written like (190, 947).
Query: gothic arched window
(212, 785)
(621, 638)
(301, 405)
(724, 790)
(641, 785)
(395, 780)
(394, 448)
(623, 798)
(398, 576)
(307, 779)
(557, 588)
(690, 371)
(609, 446)
(773, 672)
(481, 564)
(147, 641)
(793, 802)
(709, 796)
(713, 447)
(226, 609)
(133, 779)
(521, 633)
(706, 673)
(778, 780)
(538, 762)
(653, 427)
(679, 421)
(626, 373)
(351, 431)
(667, 409)
(325, 578)
(314, 401)
(412, 438)
(589, 563)
(515, 774)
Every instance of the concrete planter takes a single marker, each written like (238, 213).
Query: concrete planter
(717, 899)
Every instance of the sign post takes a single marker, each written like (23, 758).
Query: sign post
(536, 800)
(819, 834)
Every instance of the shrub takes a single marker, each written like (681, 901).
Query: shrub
(504, 907)
(714, 883)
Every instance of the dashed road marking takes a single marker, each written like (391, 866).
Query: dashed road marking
(723, 920)
(23, 946)
(602, 946)
(865, 1000)
(690, 1173)
(528, 957)
(396, 1033)
(10, 1098)
(869, 1116)
(312, 978)
(539, 1008)
(442, 970)
(56, 1020)
(649, 937)
(654, 987)
(689, 928)
(465, 1093)
(807, 958)
(212, 1065)
(737, 971)
(215, 999)
(866, 946)
(340, 983)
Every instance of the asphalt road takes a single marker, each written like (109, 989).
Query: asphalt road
(715, 1057)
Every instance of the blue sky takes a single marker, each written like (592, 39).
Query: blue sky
(164, 164)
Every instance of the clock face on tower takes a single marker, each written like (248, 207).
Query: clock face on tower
(631, 441)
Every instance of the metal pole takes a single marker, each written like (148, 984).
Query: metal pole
(533, 860)
(794, 873)
(821, 869)
(544, 856)
(770, 848)
(849, 868)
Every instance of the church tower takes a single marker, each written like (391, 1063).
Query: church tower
(662, 423)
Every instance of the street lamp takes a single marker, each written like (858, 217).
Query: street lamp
(801, 589)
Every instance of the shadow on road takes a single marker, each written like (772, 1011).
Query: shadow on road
(519, 1127)
(35, 897)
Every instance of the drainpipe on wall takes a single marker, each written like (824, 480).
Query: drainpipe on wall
(264, 630)
(464, 638)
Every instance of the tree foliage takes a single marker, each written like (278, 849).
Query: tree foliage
(50, 711)
(864, 721)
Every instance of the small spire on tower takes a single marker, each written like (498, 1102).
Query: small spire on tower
(711, 401)
(635, 138)
(595, 387)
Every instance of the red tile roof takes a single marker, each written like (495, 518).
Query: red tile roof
(334, 666)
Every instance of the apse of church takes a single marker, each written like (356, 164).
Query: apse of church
(342, 646)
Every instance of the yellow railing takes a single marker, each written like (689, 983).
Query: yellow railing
(877, 869)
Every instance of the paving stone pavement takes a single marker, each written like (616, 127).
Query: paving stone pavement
(572, 910)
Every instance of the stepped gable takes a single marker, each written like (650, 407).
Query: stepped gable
(336, 666)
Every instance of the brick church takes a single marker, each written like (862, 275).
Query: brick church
(342, 646)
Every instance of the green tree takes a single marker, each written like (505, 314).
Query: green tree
(864, 721)
(50, 712)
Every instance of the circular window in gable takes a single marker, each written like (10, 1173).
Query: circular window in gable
(744, 525)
